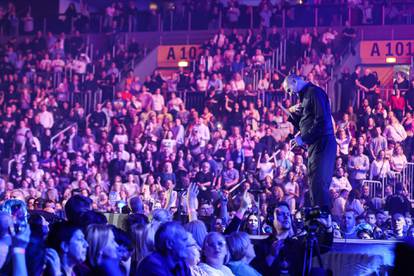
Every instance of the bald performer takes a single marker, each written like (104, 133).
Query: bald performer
(314, 120)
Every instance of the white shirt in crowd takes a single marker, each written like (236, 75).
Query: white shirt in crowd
(379, 168)
(399, 162)
(203, 133)
(238, 85)
(339, 184)
(46, 119)
(211, 271)
(58, 65)
(395, 133)
(202, 85)
(344, 145)
(265, 169)
(157, 102)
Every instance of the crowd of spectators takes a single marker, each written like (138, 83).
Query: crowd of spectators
(121, 16)
(225, 167)
(145, 142)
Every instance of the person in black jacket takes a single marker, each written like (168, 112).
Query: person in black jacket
(116, 166)
(284, 250)
(314, 120)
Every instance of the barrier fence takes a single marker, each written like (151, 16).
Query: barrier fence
(405, 177)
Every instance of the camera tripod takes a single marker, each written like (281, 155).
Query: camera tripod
(312, 245)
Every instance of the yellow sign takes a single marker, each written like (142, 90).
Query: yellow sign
(378, 52)
(170, 55)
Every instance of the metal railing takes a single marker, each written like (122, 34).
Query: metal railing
(405, 177)
(194, 18)
(383, 93)
(9, 165)
(63, 131)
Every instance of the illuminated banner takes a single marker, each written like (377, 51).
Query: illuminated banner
(170, 55)
(386, 51)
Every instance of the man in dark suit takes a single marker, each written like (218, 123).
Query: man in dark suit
(116, 166)
(314, 120)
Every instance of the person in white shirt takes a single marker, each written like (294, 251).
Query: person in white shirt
(35, 173)
(329, 36)
(265, 166)
(179, 132)
(398, 160)
(46, 62)
(328, 58)
(174, 103)
(203, 132)
(340, 182)
(264, 83)
(220, 38)
(202, 83)
(215, 251)
(79, 65)
(380, 167)
(338, 208)
(343, 141)
(258, 59)
(394, 130)
(58, 64)
(237, 84)
(157, 101)
(168, 144)
(206, 61)
(46, 118)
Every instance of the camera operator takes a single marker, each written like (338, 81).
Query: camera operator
(284, 251)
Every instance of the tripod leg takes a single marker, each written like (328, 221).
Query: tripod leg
(312, 243)
(305, 260)
(318, 253)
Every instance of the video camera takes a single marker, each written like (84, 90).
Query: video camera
(306, 219)
(310, 214)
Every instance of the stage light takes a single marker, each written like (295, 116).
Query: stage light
(183, 63)
(390, 60)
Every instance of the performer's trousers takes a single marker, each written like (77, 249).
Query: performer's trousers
(321, 163)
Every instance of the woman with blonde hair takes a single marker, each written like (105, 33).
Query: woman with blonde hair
(102, 251)
(198, 230)
(215, 255)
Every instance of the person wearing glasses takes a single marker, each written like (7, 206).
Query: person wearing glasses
(215, 255)
(283, 252)
(193, 257)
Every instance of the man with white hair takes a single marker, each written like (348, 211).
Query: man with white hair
(168, 259)
(313, 118)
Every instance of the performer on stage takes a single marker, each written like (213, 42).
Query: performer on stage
(314, 120)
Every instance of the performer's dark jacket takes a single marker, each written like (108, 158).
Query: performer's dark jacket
(290, 257)
(313, 118)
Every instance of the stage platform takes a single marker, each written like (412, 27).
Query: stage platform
(359, 257)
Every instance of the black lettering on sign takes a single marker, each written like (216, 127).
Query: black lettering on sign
(389, 49)
(183, 56)
(193, 52)
(399, 49)
(171, 53)
(375, 50)
(409, 51)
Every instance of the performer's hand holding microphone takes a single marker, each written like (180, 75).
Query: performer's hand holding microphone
(297, 141)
